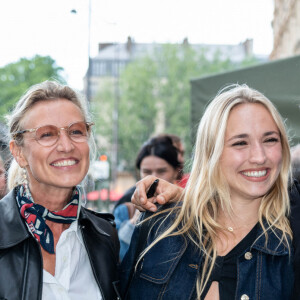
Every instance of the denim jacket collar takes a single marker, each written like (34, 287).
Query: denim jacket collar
(273, 244)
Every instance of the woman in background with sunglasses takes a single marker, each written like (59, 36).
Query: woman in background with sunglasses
(50, 246)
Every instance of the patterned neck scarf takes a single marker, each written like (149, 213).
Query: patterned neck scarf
(35, 216)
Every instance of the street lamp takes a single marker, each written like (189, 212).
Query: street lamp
(88, 75)
(89, 70)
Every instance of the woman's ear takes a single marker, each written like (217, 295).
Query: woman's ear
(17, 153)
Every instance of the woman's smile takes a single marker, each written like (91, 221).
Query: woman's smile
(256, 175)
(64, 163)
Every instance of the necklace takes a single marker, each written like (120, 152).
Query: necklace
(231, 229)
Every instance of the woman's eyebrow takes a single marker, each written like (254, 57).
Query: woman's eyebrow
(244, 135)
(238, 136)
(270, 133)
(162, 169)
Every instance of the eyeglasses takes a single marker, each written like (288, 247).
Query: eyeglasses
(48, 135)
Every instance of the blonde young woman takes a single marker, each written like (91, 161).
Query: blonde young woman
(229, 238)
(51, 247)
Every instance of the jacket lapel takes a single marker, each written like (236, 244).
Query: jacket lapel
(12, 228)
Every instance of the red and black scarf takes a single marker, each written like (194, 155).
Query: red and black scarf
(35, 216)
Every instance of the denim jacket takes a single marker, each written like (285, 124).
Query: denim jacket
(170, 269)
(295, 225)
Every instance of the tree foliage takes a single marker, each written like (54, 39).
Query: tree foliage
(155, 97)
(16, 78)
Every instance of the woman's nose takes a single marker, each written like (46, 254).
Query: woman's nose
(257, 154)
(64, 142)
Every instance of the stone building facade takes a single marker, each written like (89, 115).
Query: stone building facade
(113, 58)
(286, 29)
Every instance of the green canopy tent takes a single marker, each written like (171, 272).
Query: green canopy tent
(278, 80)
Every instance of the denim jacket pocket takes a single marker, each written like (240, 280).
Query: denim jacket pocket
(159, 263)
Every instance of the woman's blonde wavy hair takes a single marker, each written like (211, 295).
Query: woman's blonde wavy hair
(45, 91)
(207, 192)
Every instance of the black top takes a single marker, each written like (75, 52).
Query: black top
(225, 269)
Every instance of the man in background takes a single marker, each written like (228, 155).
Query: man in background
(3, 188)
(295, 151)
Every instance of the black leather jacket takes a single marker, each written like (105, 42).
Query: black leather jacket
(21, 264)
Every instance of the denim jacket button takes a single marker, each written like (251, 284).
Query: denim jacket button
(245, 297)
(248, 256)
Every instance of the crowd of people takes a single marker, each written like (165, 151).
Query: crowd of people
(230, 229)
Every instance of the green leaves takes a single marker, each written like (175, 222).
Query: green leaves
(154, 97)
(16, 78)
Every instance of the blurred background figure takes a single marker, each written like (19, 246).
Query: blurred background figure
(177, 142)
(5, 159)
(295, 151)
(181, 177)
(3, 188)
(159, 157)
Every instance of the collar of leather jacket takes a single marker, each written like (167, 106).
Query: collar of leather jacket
(13, 229)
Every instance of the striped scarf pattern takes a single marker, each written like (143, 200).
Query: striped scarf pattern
(35, 216)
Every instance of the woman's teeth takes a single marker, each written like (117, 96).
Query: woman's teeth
(255, 173)
(64, 163)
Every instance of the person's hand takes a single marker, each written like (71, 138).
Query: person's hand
(165, 192)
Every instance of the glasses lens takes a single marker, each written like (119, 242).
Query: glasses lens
(79, 132)
(47, 135)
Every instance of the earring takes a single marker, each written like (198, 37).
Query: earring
(24, 175)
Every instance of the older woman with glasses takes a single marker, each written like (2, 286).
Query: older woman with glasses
(51, 247)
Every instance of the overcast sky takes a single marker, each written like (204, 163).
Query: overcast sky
(47, 27)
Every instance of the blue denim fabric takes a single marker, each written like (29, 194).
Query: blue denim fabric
(121, 218)
(121, 215)
(169, 270)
